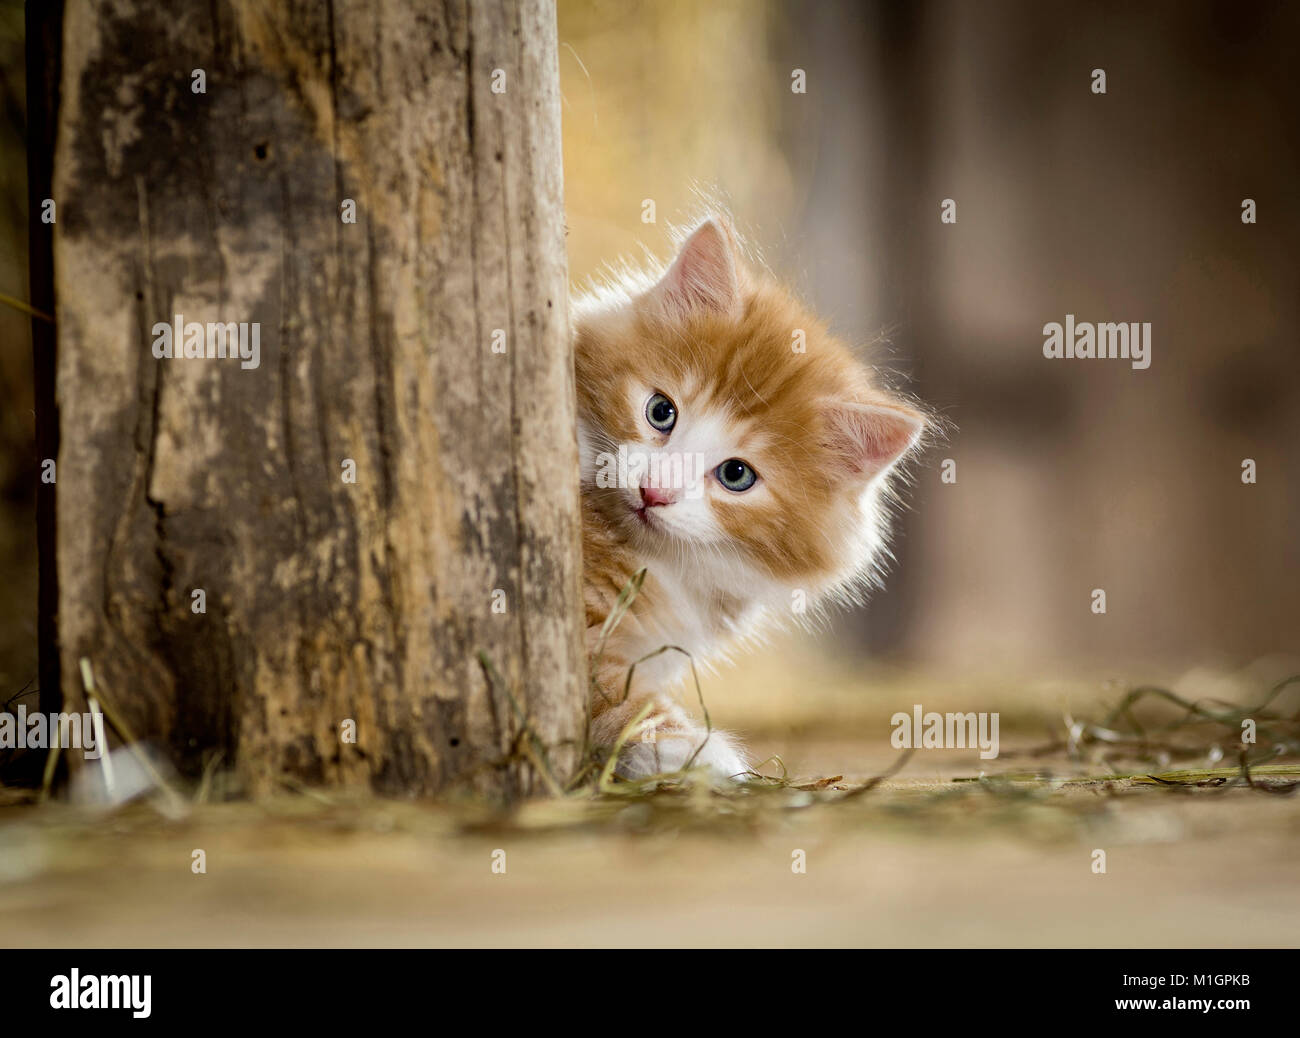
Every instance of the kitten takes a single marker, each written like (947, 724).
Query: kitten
(744, 470)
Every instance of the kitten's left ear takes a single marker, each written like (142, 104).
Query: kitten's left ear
(866, 439)
(705, 277)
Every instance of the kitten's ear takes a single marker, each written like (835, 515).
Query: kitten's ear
(705, 276)
(866, 439)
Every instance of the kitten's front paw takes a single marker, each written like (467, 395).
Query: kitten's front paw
(670, 751)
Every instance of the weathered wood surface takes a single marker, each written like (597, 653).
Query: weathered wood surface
(325, 600)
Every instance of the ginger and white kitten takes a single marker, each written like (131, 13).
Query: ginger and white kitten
(753, 469)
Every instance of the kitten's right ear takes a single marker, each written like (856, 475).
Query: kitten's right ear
(705, 276)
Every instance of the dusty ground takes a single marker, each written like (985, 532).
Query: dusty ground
(918, 861)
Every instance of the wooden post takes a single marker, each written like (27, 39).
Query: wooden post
(373, 516)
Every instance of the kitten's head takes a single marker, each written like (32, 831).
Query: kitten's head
(723, 426)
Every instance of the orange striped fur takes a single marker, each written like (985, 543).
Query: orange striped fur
(752, 384)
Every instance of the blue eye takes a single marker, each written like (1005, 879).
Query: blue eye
(736, 476)
(660, 412)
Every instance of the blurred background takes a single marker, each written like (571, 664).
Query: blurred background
(19, 467)
(1071, 475)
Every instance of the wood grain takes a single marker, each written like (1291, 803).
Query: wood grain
(325, 600)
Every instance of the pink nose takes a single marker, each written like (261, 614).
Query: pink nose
(652, 496)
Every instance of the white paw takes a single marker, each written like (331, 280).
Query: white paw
(673, 749)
